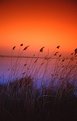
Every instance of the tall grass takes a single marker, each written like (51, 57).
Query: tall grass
(53, 70)
(39, 84)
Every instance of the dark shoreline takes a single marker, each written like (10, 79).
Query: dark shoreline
(23, 103)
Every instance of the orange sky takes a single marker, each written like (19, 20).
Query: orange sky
(40, 23)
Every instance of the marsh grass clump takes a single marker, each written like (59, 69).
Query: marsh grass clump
(25, 96)
(21, 99)
(58, 72)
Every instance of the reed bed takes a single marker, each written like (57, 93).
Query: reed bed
(40, 84)
(53, 70)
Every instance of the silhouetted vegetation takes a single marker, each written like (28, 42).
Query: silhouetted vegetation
(54, 100)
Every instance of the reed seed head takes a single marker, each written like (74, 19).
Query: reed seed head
(23, 73)
(55, 54)
(26, 48)
(72, 53)
(21, 44)
(36, 60)
(25, 64)
(75, 51)
(42, 64)
(63, 60)
(60, 55)
(41, 50)
(58, 47)
(14, 47)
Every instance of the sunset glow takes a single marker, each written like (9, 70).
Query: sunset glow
(38, 60)
(41, 23)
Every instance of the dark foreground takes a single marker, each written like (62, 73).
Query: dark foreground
(22, 103)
